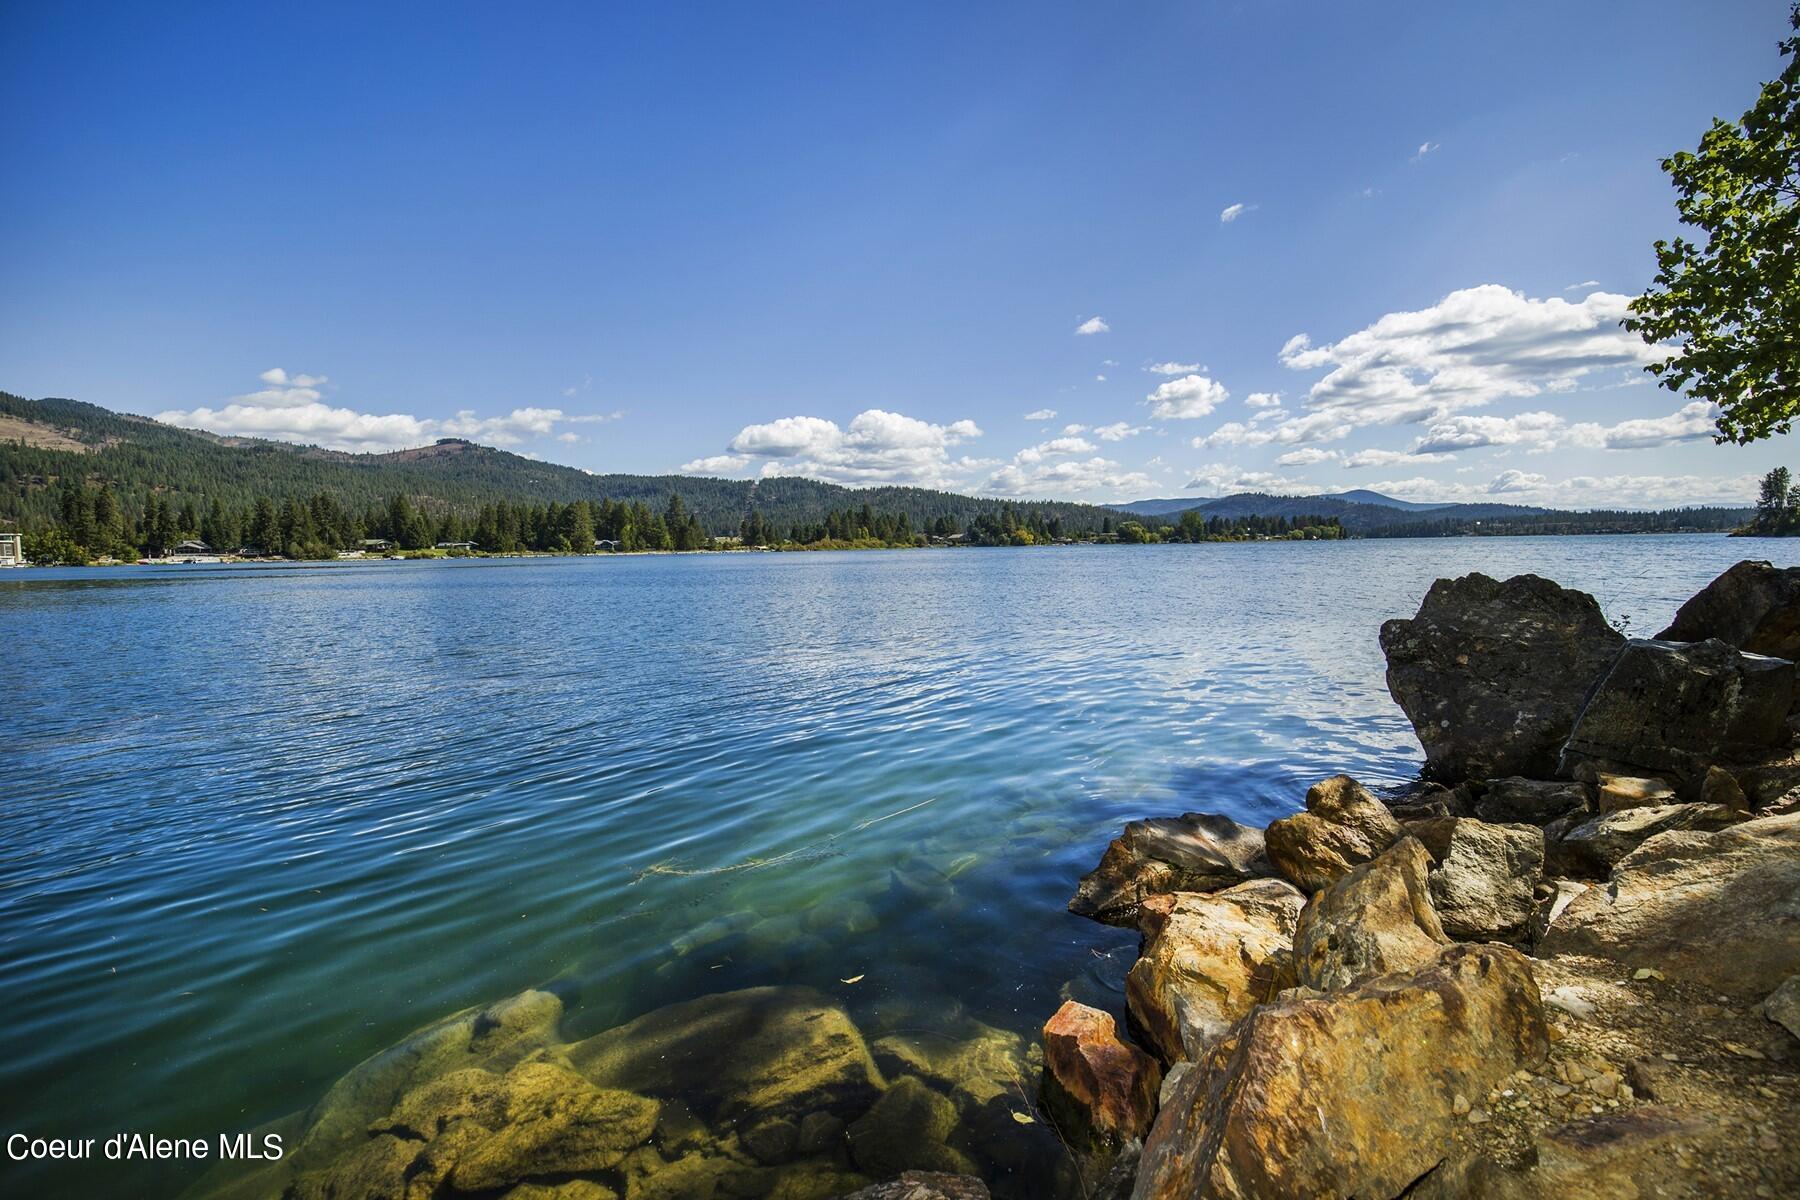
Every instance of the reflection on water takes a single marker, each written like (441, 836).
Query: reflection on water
(265, 821)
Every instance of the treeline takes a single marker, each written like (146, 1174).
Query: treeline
(1777, 507)
(1598, 521)
(1193, 527)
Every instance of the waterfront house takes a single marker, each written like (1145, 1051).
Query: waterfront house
(455, 546)
(377, 545)
(605, 544)
(12, 550)
(189, 547)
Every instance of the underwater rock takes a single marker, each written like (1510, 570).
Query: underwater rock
(774, 1051)
(553, 1122)
(574, 1189)
(925, 1185)
(907, 1130)
(772, 1141)
(972, 1061)
(820, 1133)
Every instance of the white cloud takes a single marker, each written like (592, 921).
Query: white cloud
(1233, 211)
(1053, 448)
(1306, 456)
(1071, 476)
(1263, 400)
(1172, 368)
(717, 464)
(1516, 481)
(1074, 430)
(1473, 347)
(1388, 458)
(1091, 326)
(1533, 430)
(1424, 149)
(1118, 431)
(1325, 426)
(878, 447)
(1189, 397)
(1224, 478)
(1041, 414)
(1099, 379)
(293, 409)
(1538, 431)
(1583, 285)
(1690, 423)
(1580, 491)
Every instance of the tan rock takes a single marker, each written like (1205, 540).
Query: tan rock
(1195, 852)
(1719, 909)
(1620, 792)
(1100, 1091)
(1209, 962)
(1627, 1155)
(765, 1051)
(1349, 1095)
(1343, 826)
(1721, 787)
(1376, 919)
(1484, 877)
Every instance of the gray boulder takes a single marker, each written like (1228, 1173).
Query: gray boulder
(1492, 674)
(1195, 852)
(1485, 877)
(1676, 708)
(1753, 606)
(1589, 848)
(1516, 800)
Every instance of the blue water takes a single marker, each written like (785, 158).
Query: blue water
(262, 821)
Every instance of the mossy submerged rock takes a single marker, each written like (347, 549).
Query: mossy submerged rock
(1195, 852)
(975, 1063)
(1207, 960)
(771, 1051)
(1492, 674)
(1349, 1094)
(1344, 825)
(907, 1130)
(1374, 920)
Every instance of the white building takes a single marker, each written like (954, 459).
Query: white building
(12, 550)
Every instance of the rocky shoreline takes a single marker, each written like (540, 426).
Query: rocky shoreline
(1563, 963)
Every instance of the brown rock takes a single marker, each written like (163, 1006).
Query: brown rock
(1376, 919)
(1721, 787)
(1484, 877)
(1349, 1095)
(1754, 606)
(1212, 959)
(1195, 852)
(1342, 827)
(1617, 1154)
(1100, 1091)
(1718, 909)
(1620, 792)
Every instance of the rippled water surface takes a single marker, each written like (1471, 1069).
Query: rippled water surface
(260, 822)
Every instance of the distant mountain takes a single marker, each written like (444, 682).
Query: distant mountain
(1180, 504)
(43, 442)
(1365, 496)
(1359, 511)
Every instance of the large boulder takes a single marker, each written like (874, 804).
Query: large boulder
(1352, 1094)
(1343, 826)
(768, 1051)
(1100, 1091)
(1754, 606)
(1518, 801)
(1492, 674)
(1590, 847)
(1207, 960)
(1718, 909)
(1195, 852)
(1374, 920)
(1485, 876)
(1673, 709)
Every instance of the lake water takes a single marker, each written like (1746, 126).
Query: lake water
(262, 821)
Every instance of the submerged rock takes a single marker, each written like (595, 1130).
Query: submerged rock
(1492, 674)
(1376, 919)
(907, 1130)
(1515, 800)
(973, 1062)
(1754, 606)
(1208, 960)
(1195, 852)
(1718, 909)
(768, 1051)
(1676, 708)
(1485, 876)
(1344, 825)
(1100, 1091)
(1350, 1094)
(925, 1185)
(552, 1122)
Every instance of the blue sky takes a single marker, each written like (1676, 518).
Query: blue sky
(1315, 247)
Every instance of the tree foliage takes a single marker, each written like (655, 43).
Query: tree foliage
(1733, 303)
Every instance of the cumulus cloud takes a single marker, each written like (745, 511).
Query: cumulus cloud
(1172, 368)
(717, 464)
(1324, 426)
(1053, 448)
(1222, 478)
(1578, 492)
(293, 408)
(1472, 348)
(1306, 456)
(1690, 423)
(1539, 431)
(1041, 414)
(1187, 398)
(1091, 326)
(1533, 430)
(1263, 400)
(1067, 477)
(1232, 212)
(877, 447)
(1118, 431)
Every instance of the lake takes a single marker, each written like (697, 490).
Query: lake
(263, 821)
